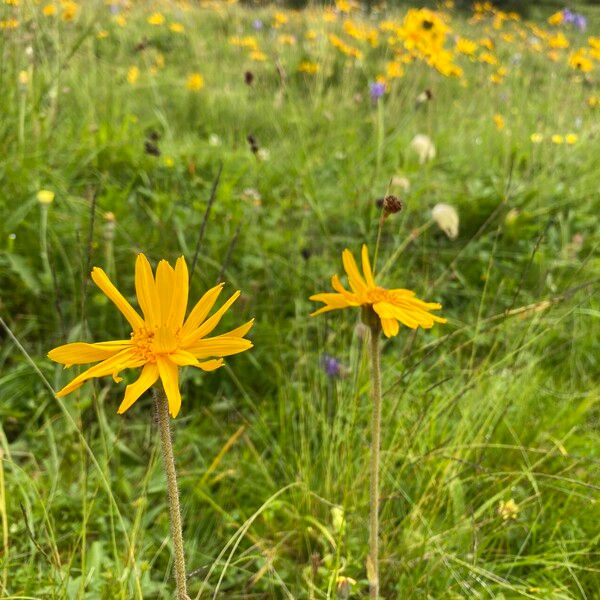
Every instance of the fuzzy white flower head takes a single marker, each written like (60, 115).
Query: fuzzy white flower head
(447, 219)
(423, 145)
(400, 182)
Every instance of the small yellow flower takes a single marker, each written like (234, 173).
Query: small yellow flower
(557, 139)
(571, 138)
(120, 20)
(556, 18)
(498, 121)
(162, 341)
(169, 162)
(69, 10)
(23, 79)
(258, 56)
(156, 18)
(102, 34)
(390, 307)
(49, 10)
(310, 68)
(45, 196)
(133, 74)
(194, 82)
(508, 510)
(536, 138)
(176, 27)
(580, 61)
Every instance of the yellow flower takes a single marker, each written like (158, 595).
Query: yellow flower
(557, 139)
(498, 121)
(508, 510)
(558, 41)
(394, 70)
(49, 10)
(536, 138)
(195, 82)
(156, 18)
(69, 10)
(391, 307)
(45, 196)
(132, 74)
(258, 56)
(176, 27)
(279, 19)
(571, 138)
(556, 18)
(310, 68)
(465, 46)
(162, 341)
(580, 61)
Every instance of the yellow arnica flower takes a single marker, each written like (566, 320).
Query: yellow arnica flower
(393, 306)
(163, 340)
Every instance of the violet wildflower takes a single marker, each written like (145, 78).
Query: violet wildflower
(331, 366)
(377, 90)
(257, 24)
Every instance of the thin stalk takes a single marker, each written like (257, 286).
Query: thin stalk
(164, 424)
(373, 560)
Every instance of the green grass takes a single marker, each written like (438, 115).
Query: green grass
(500, 403)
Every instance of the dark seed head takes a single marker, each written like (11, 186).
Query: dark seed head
(391, 205)
(248, 77)
(253, 143)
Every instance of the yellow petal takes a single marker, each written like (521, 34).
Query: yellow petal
(147, 378)
(338, 287)
(210, 323)
(183, 358)
(219, 346)
(169, 374)
(165, 286)
(125, 359)
(202, 308)
(240, 331)
(389, 311)
(146, 291)
(180, 294)
(366, 265)
(80, 353)
(357, 283)
(100, 278)
(210, 365)
(390, 327)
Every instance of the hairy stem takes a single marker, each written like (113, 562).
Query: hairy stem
(373, 561)
(164, 424)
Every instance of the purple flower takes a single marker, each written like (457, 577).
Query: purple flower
(377, 90)
(331, 366)
(115, 9)
(568, 16)
(580, 22)
(257, 24)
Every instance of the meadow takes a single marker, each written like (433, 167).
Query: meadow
(259, 142)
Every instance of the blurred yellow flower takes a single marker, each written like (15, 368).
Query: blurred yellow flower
(557, 139)
(45, 196)
(162, 341)
(176, 27)
(133, 74)
(508, 510)
(156, 18)
(556, 18)
(194, 82)
(69, 10)
(580, 61)
(49, 10)
(536, 138)
(571, 138)
(498, 121)
(308, 67)
(390, 307)
(258, 56)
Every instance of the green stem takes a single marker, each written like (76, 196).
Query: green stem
(373, 560)
(164, 424)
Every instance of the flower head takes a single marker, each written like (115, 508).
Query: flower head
(163, 340)
(45, 196)
(390, 307)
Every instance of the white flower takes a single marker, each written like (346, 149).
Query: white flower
(447, 219)
(214, 140)
(424, 147)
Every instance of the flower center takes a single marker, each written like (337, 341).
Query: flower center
(378, 294)
(149, 343)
